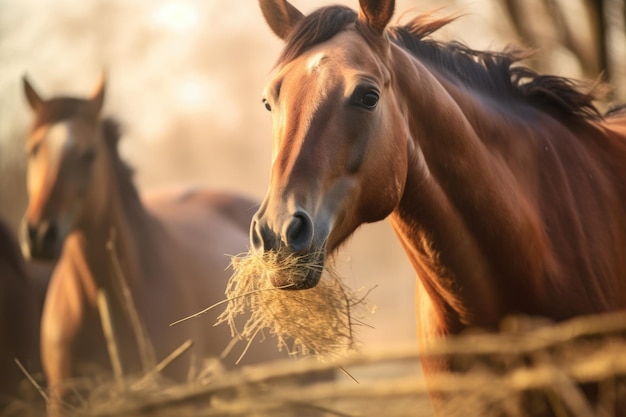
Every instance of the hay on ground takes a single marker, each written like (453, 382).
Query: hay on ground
(506, 372)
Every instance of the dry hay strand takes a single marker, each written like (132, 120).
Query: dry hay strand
(586, 350)
(319, 321)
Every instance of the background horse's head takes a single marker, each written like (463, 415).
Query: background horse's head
(63, 152)
(337, 160)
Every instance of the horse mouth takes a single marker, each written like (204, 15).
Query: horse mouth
(43, 248)
(44, 252)
(296, 271)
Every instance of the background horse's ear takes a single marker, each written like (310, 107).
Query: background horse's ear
(34, 100)
(96, 99)
(376, 13)
(281, 16)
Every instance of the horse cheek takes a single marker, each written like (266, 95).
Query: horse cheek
(386, 181)
(40, 180)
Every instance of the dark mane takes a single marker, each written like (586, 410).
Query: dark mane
(616, 110)
(495, 73)
(498, 74)
(111, 133)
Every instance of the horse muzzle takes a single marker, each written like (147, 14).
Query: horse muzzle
(41, 240)
(295, 234)
(295, 241)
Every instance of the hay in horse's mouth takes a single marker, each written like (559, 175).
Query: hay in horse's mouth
(318, 321)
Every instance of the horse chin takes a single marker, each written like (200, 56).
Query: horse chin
(46, 246)
(310, 280)
(304, 274)
(44, 253)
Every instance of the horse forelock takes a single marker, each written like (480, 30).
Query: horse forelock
(315, 28)
(58, 109)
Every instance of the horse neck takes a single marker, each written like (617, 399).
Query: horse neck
(120, 242)
(453, 181)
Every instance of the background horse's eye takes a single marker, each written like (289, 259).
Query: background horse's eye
(369, 100)
(267, 105)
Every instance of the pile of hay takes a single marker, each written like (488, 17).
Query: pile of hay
(319, 321)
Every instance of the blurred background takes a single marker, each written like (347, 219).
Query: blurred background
(185, 78)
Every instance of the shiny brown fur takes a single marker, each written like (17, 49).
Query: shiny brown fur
(506, 188)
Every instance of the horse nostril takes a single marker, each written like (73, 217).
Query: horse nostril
(296, 236)
(49, 234)
(255, 236)
(31, 233)
(298, 233)
(262, 238)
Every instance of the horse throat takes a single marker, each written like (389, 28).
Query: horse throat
(112, 241)
(452, 271)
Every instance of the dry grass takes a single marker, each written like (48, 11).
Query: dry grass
(319, 321)
(531, 368)
(541, 367)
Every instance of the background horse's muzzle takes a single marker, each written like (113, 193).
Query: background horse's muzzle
(42, 240)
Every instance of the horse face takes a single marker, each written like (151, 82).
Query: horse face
(59, 169)
(339, 150)
(61, 159)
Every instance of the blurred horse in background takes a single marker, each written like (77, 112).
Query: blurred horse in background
(506, 188)
(164, 261)
(22, 288)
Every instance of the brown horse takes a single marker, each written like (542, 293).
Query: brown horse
(84, 210)
(506, 188)
(22, 286)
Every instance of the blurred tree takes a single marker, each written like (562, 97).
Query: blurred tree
(580, 38)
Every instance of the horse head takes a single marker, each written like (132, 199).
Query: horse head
(339, 143)
(63, 159)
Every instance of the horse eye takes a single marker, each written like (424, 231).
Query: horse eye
(369, 99)
(267, 105)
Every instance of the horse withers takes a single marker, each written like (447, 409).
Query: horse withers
(156, 262)
(505, 187)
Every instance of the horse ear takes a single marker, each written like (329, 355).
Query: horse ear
(34, 100)
(376, 13)
(96, 99)
(281, 16)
